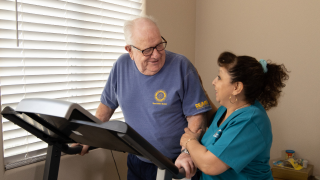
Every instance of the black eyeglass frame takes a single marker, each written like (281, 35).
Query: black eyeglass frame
(155, 47)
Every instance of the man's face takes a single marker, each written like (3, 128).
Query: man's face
(147, 65)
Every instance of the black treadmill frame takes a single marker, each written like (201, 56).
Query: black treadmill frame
(59, 142)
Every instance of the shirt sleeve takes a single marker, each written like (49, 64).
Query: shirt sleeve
(194, 99)
(109, 93)
(239, 144)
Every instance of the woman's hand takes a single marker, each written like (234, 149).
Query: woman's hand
(189, 135)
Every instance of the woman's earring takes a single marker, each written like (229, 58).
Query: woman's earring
(231, 101)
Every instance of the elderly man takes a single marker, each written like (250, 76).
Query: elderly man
(159, 93)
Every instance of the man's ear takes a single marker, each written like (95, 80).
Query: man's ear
(237, 88)
(129, 49)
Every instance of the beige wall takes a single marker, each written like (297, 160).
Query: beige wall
(286, 31)
(176, 20)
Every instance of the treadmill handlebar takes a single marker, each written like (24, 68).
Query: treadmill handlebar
(77, 149)
(182, 173)
(74, 150)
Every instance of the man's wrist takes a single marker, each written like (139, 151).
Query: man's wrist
(185, 151)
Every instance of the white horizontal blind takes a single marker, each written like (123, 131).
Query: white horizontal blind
(65, 50)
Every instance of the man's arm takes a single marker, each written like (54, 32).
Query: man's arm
(214, 108)
(197, 122)
(104, 114)
(184, 160)
(209, 113)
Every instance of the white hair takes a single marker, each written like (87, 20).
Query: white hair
(128, 27)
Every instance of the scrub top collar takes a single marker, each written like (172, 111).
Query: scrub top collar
(233, 115)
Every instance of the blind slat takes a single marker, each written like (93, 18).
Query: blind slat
(18, 89)
(5, 24)
(88, 6)
(11, 62)
(73, 95)
(9, 126)
(16, 142)
(34, 53)
(40, 79)
(88, 13)
(55, 29)
(66, 46)
(54, 37)
(25, 148)
(15, 133)
(7, 5)
(26, 71)
(42, 19)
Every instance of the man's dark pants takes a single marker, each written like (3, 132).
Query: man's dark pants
(139, 170)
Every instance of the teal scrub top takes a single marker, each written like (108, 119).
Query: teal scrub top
(243, 142)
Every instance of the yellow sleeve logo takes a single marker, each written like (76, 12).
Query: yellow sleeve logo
(202, 104)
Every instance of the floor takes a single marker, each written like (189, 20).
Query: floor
(310, 178)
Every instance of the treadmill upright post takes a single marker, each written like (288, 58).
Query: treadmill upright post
(51, 168)
(163, 174)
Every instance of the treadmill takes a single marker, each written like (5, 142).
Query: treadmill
(60, 123)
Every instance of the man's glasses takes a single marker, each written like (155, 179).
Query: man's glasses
(147, 52)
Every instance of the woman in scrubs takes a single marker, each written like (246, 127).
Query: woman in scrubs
(237, 144)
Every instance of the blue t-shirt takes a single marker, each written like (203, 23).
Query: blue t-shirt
(156, 106)
(243, 142)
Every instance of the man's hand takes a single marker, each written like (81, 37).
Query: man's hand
(84, 148)
(184, 161)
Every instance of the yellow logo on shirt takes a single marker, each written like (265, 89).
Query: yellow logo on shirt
(202, 104)
(160, 95)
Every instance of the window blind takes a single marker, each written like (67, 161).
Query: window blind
(60, 49)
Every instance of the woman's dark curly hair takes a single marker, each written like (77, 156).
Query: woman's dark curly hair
(264, 87)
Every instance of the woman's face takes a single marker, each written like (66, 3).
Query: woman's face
(223, 86)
